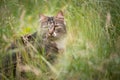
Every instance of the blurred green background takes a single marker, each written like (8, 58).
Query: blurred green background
(93, 39)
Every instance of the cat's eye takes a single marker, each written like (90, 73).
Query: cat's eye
(44, 26)
(57, 24)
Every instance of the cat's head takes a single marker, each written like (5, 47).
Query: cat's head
(53, 27)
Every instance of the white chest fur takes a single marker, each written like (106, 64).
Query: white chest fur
(61, 44)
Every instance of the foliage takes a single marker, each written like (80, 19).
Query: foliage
(93, 36)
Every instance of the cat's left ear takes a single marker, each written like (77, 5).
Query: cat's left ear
(60, 15)
(42, 17)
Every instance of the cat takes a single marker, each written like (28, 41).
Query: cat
(48, 39)
(53, 31)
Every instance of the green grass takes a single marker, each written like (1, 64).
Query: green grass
(92, 43)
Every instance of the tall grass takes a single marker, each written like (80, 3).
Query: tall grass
(93, 36)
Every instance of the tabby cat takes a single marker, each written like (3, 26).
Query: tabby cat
(48, 39)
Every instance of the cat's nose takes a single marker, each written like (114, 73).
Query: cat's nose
(51, 30)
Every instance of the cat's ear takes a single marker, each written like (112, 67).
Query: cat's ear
(60, 15)
(42, 17)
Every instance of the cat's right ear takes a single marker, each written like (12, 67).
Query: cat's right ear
(42, 17)
(60, 15)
